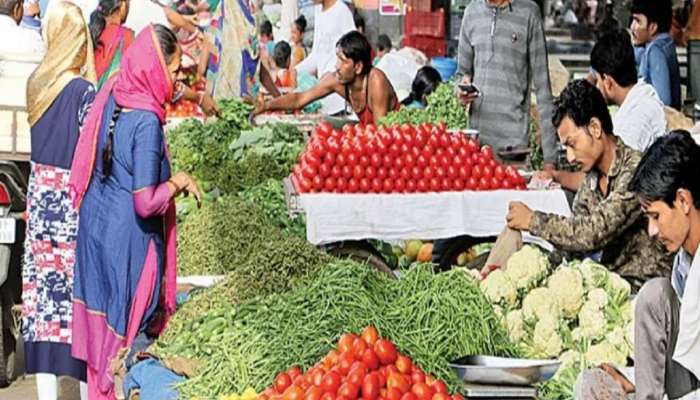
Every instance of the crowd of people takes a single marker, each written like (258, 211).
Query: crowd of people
(96, 109)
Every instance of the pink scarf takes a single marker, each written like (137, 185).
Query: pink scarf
(143, 83)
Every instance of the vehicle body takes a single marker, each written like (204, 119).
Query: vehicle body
(14, 171)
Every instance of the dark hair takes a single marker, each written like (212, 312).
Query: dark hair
(282, 54)
(383, 42)
(266, 28)
(671, 163)
(356, 47)
(659, 12)
(97, 24)
(581, 101)
(7, 6)
(168, 46)
(300, 23)
(613, 55)
(359, 20)
(426, 81)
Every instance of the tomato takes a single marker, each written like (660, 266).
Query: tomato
(484, 183)
(347, 171)
(458, 185)
(377, 185)
(433, 161)
(421, 161)
(305, 185)
(391, 369)
(457, 396)
(370, 387)
(357, 172)
(472, 183)
(435, 185)
(429, 379)
(352, 159)
(441, 396)
(487, 172)
(330, 382)
(499, 172)
(358, 348)
(364, 185)
(398, 163)
(421, 138)
(411, 186)
(386, 352)
(328, 396)
(382, 173)
(434, 140)
(393, 173)
(487, 152)
(336, 171)
(397, 381)
(345, 362)
(477, 172)
(446, 184)
(307, 171)
(317, 377)
(417, 172)
(422, 186)
(324, 129)
(388, 185)
(483, 161)
(393, 394)
(464, 172)
(294, 392)
(493, 164)
(405, 173)
(395, 150)
(404, 364)
(408, 396)
(495, 183)
(445, 140)
(348, 390)
(341, 159)
(282, 382)
(364, 161)
(428, 151)
(317, 183)
(439, 386)
(329, 185)
(313, 393)
(507, 184)
(409, 140)
(381, 147)
(400, 184)
(463, 152)
(375, 160)
(511, 171)
(417, 376)
(370, 359)
(422, 391)
(440, 172)
(370, 172)
(428, 173)
(408, 160)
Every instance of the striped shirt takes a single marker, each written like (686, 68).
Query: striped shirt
(503, 49)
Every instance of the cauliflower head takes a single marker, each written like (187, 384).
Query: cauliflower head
(546, 340)
(526, 267)
(598, 297)
(566, 285)
(592, 321)
(498, 288)
(540, 302)
(594, 274)
(605, 352)
(616, 337)
(515, 326)
(618, 288)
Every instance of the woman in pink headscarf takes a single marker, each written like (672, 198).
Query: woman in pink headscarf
(122, 183)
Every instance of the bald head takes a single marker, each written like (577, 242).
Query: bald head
(12, 8)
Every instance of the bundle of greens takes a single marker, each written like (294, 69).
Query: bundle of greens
(443, 106)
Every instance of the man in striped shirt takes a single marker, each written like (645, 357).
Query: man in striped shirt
(502, 50)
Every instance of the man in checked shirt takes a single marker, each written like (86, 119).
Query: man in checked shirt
(502, 50)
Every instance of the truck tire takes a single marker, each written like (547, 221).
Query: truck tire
(364, 253)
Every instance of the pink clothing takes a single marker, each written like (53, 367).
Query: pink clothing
(152, 201)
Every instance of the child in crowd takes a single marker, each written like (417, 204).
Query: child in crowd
(383, 47)
(426, 81)
(297, 39)
(359, 22)
(284, 75)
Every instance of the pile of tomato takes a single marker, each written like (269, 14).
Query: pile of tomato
(399, 159)
(361, 367)
(185, 108)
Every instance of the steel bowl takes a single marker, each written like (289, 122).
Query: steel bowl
(504, 371)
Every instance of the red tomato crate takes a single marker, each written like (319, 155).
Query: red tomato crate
(420, 5)
(432, 47)
(424, 23)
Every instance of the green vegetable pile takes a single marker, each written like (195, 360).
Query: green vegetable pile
(433, 318)
(443, 106)
(268, 197)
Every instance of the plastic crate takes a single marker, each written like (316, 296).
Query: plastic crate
(422, 23)
(431, 46)
(420, 5)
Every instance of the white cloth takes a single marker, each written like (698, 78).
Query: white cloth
(400, 67)
(144, 12)
(640, 119)
(329, 26)
(18, 41)
(337, 217)
(687, 352)
(86, 7)
(290, 12)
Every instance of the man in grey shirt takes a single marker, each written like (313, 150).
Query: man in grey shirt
(501, 50)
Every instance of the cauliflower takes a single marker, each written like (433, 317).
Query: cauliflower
(498, 288)
(498, 310)
(598, 297)
(514, 323)
(526, 267)
(569, 358)
(605, 352)
(592, 321)
(618, 288)
(473, 273)
(566, 285)
(616, 337)
(546, 341)
(577, 334)
(594, 274)
(627, 311)
(629, 337)
(540, 302)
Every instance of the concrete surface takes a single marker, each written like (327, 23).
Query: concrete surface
(24, 388)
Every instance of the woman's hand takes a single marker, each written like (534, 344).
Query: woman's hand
(208, 105)
(187, 184)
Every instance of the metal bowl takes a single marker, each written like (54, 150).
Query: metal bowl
(504, 371)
